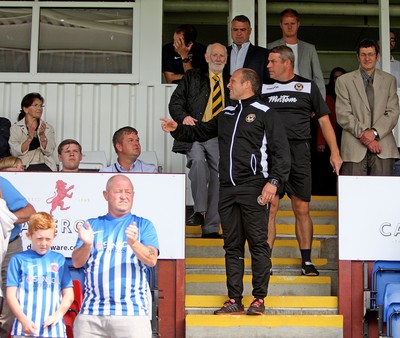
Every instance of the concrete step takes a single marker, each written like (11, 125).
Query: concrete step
(290, 263)
(317, 203)
(284, 326)
(201, 247)
(300, 305)
(318, 216)
(320, 230)
(282, 229)
(215, 284)
(297, 306)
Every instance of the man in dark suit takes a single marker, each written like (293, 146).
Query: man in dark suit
(243, 54)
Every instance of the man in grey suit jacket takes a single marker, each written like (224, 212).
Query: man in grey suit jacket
(368, 145)
(306, 58)
(243, 54)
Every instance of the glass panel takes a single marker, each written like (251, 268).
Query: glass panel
(15, 39)
(85, 40)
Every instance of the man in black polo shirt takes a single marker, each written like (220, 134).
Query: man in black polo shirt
(296, 98)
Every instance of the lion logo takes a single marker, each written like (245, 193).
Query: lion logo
(61, 192)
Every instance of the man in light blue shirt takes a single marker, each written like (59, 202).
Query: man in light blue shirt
(243, 54)
(127, 146)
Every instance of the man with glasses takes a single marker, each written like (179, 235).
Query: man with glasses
(367, 108)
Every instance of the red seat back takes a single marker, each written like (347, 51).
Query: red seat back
(74, 309)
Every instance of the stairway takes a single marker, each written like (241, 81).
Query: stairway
(296, 306)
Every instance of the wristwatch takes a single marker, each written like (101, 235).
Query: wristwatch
(185, 60)
(375, 132)
(274, 182)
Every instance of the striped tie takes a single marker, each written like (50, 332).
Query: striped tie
(216, 97)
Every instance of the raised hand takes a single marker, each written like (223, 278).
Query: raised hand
(168, 125)
(86, 234)
(132, 233)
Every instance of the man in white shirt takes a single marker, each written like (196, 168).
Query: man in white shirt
(306, 58)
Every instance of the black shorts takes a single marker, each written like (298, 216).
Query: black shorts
(299, 182)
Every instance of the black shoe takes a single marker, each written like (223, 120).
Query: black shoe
(256, 307)
(195, 219)
(211, 235)
(230, 307)
(308, 269)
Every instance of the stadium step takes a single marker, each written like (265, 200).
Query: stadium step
(274, 305)
(277, 326)
(199, 247)
(215, 284)
(296, 306)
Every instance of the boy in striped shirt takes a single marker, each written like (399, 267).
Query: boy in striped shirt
(39, 284)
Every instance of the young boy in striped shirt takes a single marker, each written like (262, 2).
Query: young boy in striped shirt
(39, 284)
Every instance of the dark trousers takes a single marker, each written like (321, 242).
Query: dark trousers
(7, 317)
(242, 219)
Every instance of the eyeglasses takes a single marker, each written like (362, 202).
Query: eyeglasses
(370, 55)
(37, 105)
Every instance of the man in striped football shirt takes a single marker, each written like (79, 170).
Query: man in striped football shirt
(116, 250)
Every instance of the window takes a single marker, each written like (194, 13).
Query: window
(85, 40)
(53, 40)
(15, 39)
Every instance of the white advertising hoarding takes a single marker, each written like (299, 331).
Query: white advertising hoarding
(72, 198)
(369, 218)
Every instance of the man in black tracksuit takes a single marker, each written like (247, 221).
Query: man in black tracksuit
(254, 160)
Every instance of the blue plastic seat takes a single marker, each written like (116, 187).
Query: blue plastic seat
(393, 324)
(391, 300)
(383, 273)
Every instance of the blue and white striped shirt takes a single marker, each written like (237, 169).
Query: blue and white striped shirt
(115, 280)
(40, 280)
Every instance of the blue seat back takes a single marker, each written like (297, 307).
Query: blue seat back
(393, 324)
(383, 272)
(391, 299)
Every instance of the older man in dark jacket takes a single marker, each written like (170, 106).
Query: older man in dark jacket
(198, 98)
